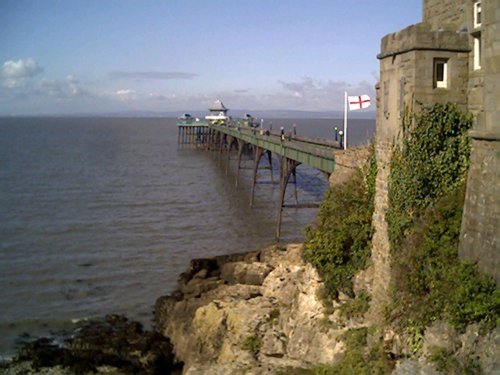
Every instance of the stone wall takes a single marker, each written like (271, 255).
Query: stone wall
(347, 161)
(489, 120)
(406, 83)
(407, 73)
(446, 13)
(480, 237)
(380, 258)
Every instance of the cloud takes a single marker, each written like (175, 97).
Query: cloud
(19, 83)
(20, 69)
(126, 94)
(311, 94)
(151, 75)
(69, 88)
(161, 97)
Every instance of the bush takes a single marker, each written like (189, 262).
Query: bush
(339, 245)
(356, 307)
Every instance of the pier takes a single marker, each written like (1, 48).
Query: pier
(223, 135)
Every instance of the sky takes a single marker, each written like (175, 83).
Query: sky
(105, 56)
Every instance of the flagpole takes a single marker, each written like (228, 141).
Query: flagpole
(345, 120)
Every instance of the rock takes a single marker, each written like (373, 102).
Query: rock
(281, 284)
(363, 280)
(202, 274)
(282, 255)
(440, 335)
(485, 348)
(413, 367)
(245, 273)
(112, 345)
(196, 286)
(273, 344)
(265, 315)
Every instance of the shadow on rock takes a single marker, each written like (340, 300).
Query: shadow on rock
(113, 342)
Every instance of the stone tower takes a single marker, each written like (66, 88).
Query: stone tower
(453, 55)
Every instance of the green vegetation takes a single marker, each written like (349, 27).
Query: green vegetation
(252, 343)
(339, 245)
(274, 315)
(431, 162)
(426, 194)
(360, 357)
(446, 362)
(432, 283)
(356, 307)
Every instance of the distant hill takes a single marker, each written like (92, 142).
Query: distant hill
(286, 113)
(272, 113)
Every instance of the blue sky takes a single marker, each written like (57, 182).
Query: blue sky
(87, 56)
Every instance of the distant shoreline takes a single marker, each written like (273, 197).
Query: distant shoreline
(266, 114)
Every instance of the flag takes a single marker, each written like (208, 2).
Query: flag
(358, 102)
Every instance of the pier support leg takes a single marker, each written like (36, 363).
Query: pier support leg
(215, 142)
(241, 145)
(221, 145)
(287, 168)
(228, 150)
(256, 160)
(294, 173)
(270, 158)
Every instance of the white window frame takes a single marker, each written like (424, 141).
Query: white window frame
(441, 83)
(477, 14)
(477, 52)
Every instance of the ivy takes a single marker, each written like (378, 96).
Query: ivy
(426, 196)
(431, 161)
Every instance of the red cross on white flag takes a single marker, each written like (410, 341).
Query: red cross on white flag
(358, 102)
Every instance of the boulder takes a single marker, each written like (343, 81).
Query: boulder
(245, 273)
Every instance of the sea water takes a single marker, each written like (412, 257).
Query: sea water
(101, 215)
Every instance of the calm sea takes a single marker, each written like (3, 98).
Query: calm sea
(101, 215)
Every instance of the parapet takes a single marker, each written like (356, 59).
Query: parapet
(421, 37)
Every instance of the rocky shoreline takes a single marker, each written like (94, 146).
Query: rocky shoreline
(112, 345)
(256, 313)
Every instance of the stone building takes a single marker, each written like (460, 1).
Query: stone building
(453, 55)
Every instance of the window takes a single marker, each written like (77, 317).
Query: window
(477, 14)
(477, 52)
(441, 73)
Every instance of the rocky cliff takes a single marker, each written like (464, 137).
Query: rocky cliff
(262, 313)
(257, 313)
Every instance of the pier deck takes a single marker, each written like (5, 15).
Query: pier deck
(292, 150)
(315, 153)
